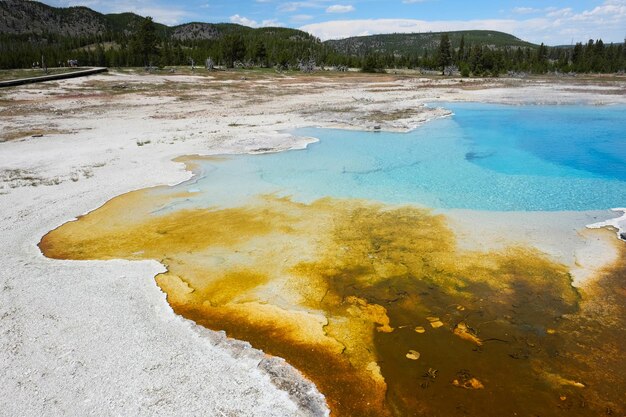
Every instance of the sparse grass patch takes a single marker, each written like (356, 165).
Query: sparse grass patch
(346, 109)
(381, 116)
(24, 177)
(102, 88)
(16, 134)
(20, 109)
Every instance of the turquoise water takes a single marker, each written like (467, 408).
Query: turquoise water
(485, 157)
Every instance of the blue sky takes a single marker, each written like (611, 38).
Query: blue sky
(552, 22)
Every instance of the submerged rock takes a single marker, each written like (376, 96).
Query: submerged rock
(413, 355)
(471, 383)
(435, 322)
(467, 381)
(466, 333)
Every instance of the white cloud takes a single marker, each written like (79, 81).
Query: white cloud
(345, 28)
(288, 7)
(301, 17)
(293, 6)
(552, 26)
(167, 16)
(413, 1)
(338, 8)
(525, 10)
(71, 3)
(242, 20)
(271, 23)
(560, 13)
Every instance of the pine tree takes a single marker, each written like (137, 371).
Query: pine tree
(145, 41)
(598, 61)
(372, 63)
(99, 56)
(542, 59)
(233, 49)
(577, 57)
(166, 54)
(444, 57)
(260, 53)
(460, 57)
(476, 60)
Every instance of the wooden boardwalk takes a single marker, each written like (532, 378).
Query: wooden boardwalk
(52, 77)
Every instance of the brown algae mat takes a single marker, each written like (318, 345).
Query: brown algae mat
(376, 304)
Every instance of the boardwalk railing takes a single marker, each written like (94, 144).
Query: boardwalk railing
(52, 77)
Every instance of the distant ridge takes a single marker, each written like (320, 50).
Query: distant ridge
(31, 32)
(21, 17)
(408, 43)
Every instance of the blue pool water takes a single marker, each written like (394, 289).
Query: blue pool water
(485, 157)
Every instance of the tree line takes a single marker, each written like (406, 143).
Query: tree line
(480, 60)
(286, 48)
(148, 47)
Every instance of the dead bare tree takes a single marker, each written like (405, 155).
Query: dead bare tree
(209, 64)
(451, 70)
(43, 65)
(307, 66)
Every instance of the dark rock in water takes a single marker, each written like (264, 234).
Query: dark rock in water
(470, 156)
(622, 236)
(377, 127)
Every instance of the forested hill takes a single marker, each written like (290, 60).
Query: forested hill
(29, 29)
(20, 17)
(412, 43)
(32, 32)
